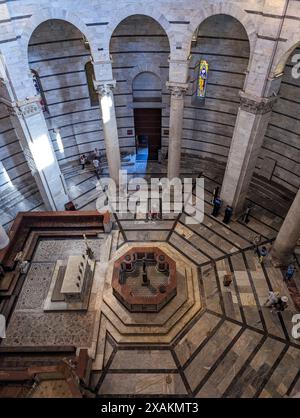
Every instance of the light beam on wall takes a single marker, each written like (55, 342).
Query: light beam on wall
(5, 174)
(59, 141)
(106, 105)
(42, 152)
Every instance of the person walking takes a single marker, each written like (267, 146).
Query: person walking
(256, 241)
(96, 165)
(246, 215)
(228, 214)
(281, 304)
(272, 299)
(217, 207)
(290, 272)
(96, 153)
(83, 160)
(262, 253)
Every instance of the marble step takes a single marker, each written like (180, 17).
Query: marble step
(179, 243)
(185, 291)
(9, 192)
(275, 189)
(270, 193)
(12, 198)
(155, 338)
(147, 236)
(135, 224)
(181, 315)
(74, 168)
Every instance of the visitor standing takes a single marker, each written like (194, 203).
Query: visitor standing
(272, 299)
(83, 160)
(290, 272)
(246, 215)
(262, 253)
(281, 304)
(228, 214)
(97, 154)
(256, 241)
(96, 165)
(217, 207)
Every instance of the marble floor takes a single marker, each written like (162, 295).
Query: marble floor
(29, 325)
(234, 346)
(82, 188)
(230, 345)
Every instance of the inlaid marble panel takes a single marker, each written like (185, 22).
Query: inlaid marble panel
(50, 329)
(60, 249)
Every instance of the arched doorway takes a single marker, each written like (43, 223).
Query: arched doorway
(146, 91)
(140, 50)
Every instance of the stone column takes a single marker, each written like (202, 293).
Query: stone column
(110, 129)
(31, 129)
(250, 128)
(176, 123)
(4, 240)
(288, 235)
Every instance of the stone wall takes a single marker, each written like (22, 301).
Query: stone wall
(58, 54)
(138, 45)
(15, 176)
(282, 140)
(208, 129)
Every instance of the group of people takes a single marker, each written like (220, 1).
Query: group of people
(96, 157)
(217, 202)
(153, 216)
(276, 302)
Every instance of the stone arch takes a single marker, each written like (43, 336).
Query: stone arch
(50, 13)
(147, 11)
(224, 8)
(143, 68)
(281, 61)
(147, 85)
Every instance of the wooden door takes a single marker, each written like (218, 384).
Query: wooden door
(147, 123)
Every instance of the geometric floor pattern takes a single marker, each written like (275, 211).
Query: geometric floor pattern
(233, 346)
(156, 327)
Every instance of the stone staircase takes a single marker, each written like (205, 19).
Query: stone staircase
(270, 193)
(10, 196)
(161, 327)
(73, 168)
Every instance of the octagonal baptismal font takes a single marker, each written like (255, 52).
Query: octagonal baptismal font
(144, 279)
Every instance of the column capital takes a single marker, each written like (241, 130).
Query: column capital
(104, 87)
(26, 108)
(102, 62)
(256, 105)
(178, 90)
(179, 62)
